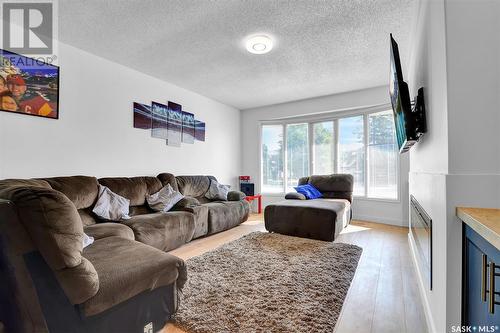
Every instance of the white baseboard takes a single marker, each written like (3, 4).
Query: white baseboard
(378, 219)
(421, 287)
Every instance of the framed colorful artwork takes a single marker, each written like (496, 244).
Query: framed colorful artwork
(28, 86)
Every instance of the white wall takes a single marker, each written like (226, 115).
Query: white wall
(455, 57)
(427, 68)
(430, 191)
(473, 62)
(429, 158)
(373, 210)
(473, 74)
(95, 134)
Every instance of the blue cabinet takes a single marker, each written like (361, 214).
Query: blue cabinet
(481, 287)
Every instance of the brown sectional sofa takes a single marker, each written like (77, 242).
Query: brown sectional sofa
(124, 280)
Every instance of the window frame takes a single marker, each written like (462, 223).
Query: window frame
(398, 165)
(311, 120)
(337, 144)
(285, 148)
(312, 158)
(283, 154)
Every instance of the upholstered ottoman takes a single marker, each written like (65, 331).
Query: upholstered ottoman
(321, 219)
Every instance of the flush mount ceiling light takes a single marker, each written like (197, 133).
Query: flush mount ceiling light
(259, 44)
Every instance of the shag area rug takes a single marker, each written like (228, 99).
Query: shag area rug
(266, 282)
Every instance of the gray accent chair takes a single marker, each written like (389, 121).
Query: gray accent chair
(322, 218)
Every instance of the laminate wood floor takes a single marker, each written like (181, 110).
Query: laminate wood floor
(383, 297)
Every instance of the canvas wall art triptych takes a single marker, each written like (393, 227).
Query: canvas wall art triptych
(169, 122)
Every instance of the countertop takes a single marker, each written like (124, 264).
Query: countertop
(484, 221)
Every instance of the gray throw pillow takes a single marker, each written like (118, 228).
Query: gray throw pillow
(111, 206)
(164, 199)
(217, 191)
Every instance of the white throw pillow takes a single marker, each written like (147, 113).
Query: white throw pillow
(87, 240)
(111, 206)
(164, 199)
(217, 191)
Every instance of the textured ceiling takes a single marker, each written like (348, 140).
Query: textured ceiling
(321, 47)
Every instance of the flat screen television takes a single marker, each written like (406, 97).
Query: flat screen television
(409, 124)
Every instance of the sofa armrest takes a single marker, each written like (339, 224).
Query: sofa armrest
(109, 229)
(235, 196)
(186, 202)
(295, 196)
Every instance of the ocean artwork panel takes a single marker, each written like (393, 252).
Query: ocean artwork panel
(174, 124)
(159, 123)
(142, 116)
(199, 130)
(187, 127)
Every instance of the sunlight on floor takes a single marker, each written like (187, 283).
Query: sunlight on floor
(353, 228)
(256, 222)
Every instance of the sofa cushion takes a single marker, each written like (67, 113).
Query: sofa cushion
(200, 221)
(127, 268)
(223, 215)
(88, 218)
(164, 231)
(135, 188)
(187, 202)
(110, 229)
(194, 186)
(200, 213)
(81, 190)
(295, 196)
(139, 210)
(24, 182)
(319, 204)
(336, 186)
(168, 178)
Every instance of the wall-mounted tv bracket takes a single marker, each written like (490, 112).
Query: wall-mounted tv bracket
(418, 112)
